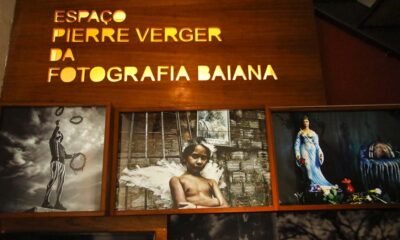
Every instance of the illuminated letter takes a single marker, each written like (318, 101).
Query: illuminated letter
(119, 16)
(203, 73)
(170, 32)
(214, 32)
(200, 35)
(218, 73)
(118, 74)
(59, 16)
(83, 72)
(97, 74)
(186, 37)
(239, 73)
(121, 33)
(93, 16)
(103, 18)
(92, 33)
(58, 32)
(162, 70)
(269, 71)
(130, 72)
(251, 71)
(77, 34)
(55, 54)
(156, 35)
(68, 74)
(182, 73)
(144, 36)
(71, 16)
(107, 32)
(147, 73)
(82, 14)
(68, 54)
(51, 74)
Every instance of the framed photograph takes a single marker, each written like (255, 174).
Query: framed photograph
(213, 125)
(163, 164)
(337, 155)
(224, 226)
(79, 236)
(52, 160)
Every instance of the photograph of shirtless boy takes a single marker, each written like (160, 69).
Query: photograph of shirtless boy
(192, 190)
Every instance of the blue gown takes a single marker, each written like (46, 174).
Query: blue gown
(307, 147)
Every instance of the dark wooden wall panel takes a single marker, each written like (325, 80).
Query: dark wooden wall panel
(280, 33)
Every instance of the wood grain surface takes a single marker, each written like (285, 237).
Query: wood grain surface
(279, 33)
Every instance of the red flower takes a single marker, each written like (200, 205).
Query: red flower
(302, 161)
(346, 181)
(347, 187)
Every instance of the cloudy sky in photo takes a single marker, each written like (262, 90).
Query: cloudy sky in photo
(25, 156)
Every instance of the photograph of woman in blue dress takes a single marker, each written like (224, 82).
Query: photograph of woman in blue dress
(309, 157)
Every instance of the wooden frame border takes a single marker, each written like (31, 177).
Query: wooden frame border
(114, 167)
(321, 108)
(106, 155)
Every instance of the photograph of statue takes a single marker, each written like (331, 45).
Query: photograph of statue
(49, 157)
(337, 157)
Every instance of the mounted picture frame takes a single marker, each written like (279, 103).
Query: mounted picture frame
(336, 157)
(76, 236)
(159, 158)
(53, 159)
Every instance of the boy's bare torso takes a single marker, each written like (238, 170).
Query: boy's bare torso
(198, 190)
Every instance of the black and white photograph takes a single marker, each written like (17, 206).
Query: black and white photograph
(214, 126)
(164, 164)
(241, 226)
(51, 158)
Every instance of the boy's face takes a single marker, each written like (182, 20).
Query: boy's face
(196, 161)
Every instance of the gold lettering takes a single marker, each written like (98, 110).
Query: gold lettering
(97, 74)
(121, 34)
(170, 32)
(92, 33)
(186, 37)
(114, 77)
(182, 73)
(58, 32)
(269, 72)
(239, 73)
(200, 34)
(203, 73)
(252, 71)
(51, 74)
(68, 74)
(214, 32)
(107, 33)
(218, 73)
(59, 16)
(78, 35)
(130, 72)
(144, 36)
(71, 16)
(156, 35)
(83, 72)
(82, 14)
(55, 54)
(147, 74)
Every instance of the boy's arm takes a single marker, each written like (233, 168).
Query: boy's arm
(178, 194)
(217, 202)
(218, 194)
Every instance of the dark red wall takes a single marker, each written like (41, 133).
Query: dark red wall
(355, 71)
